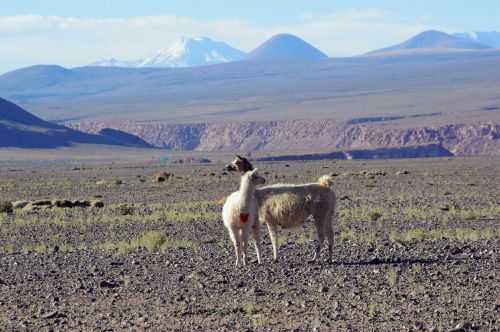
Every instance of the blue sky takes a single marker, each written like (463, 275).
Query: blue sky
(73, 33)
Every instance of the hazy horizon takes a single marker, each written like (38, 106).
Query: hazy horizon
(78, 34)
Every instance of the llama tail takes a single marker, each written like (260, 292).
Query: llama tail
(326, 181)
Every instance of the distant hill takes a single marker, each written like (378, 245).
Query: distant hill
(123, 138)
(112, 62)
(36, 77)
(450, 83)
(490, 38)
(20, 129)
(433, 40)
(187, 52)
(78, 82)
(14, 115)
(285, 47)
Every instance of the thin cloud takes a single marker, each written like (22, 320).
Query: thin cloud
(356, 31)
(70, 41)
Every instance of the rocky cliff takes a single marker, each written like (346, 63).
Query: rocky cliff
(306, 135)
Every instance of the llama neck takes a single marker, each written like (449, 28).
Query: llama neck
(246, 195)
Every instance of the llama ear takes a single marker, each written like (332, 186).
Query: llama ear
(238, 156)
(254, 171)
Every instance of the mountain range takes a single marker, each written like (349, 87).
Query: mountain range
(192, 52)
(423, 82)
(392, 84)
(201, 51)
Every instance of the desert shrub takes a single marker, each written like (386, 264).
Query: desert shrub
(373, 309)
(258, 320)
(249, 308)
(465, 234)
(7, 249)
(392, 277)
(458, 234)
(374, 215)
(6, 207)
(368, 237)
(417, 234)
(152, 241)
(179, 244)
(123, 247)
(39, 248)
(347, 235)
(303, 238)
(417, 268)
(125, 210)
(471, 215)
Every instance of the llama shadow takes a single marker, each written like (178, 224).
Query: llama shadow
(409, 261)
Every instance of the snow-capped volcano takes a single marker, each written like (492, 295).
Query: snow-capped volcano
(187, 52)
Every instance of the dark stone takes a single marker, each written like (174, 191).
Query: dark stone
(108, 284)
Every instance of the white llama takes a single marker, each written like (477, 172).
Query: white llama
(240, 216)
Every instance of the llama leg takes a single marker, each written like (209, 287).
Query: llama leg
(235, 236)
(244, 237)
(256, 236)
(274, 240)
(320, 233)
(244, 245)
(329, 233)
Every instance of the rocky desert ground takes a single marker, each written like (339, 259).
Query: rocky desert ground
(107, 247)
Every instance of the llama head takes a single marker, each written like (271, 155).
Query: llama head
(252, 178)
(239, 164)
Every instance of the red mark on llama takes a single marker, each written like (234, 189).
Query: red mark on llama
(244, 217)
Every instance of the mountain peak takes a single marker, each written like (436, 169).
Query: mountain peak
(433, 33)
(185, 52)
(436, 39)
(433, 39)
(285, 36)
(190, 52)
(286, 47)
